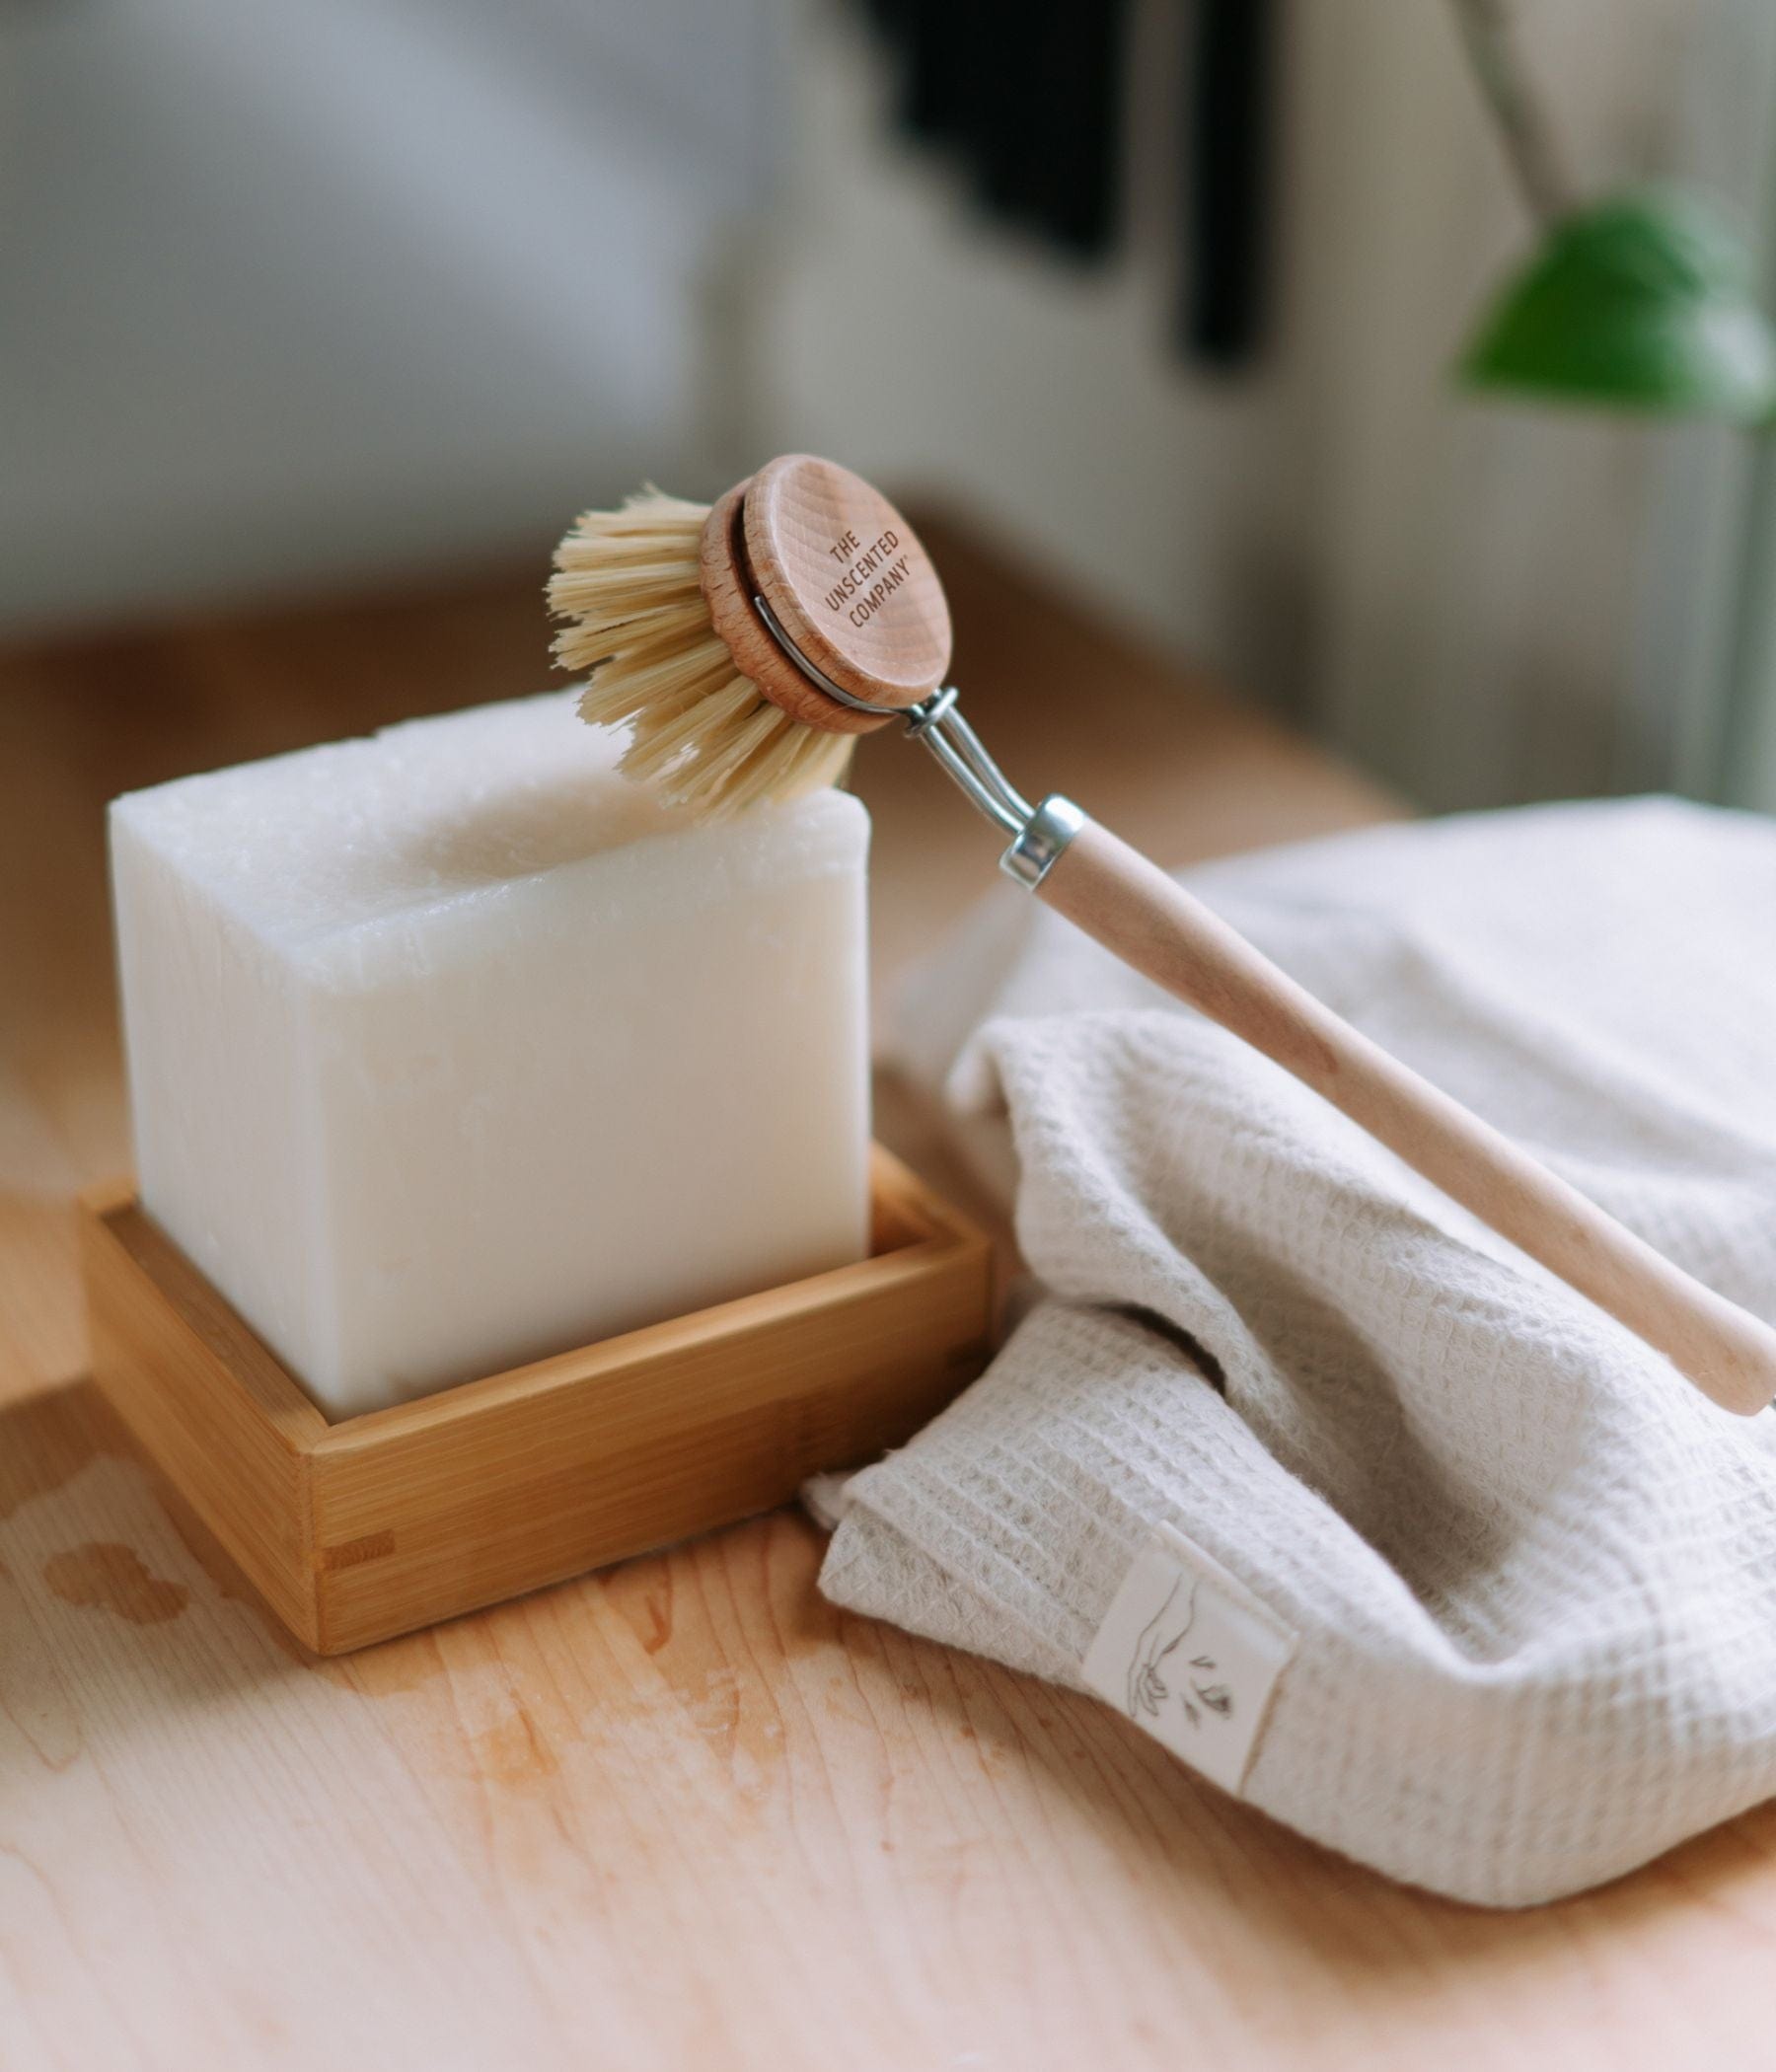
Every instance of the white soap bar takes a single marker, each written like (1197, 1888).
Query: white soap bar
(450, 1049)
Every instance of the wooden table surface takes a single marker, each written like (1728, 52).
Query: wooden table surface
(681, 1814)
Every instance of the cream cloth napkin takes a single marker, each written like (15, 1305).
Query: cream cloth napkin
(1363, 1515)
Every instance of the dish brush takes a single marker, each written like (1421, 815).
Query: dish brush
(748, 643)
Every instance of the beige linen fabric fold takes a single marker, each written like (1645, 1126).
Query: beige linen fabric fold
(1370, 1518)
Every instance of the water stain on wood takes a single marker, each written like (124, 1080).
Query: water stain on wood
(515, 1754)
(640, 1592)
(47, 1440)
(107, 1575)
(395, 1667)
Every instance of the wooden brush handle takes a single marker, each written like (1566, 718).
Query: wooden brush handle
(1135, 911)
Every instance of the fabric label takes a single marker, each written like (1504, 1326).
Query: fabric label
(1191, 1655)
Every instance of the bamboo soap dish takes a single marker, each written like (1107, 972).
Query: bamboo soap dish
(356, 1530)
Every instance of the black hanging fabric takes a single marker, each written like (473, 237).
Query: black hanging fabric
(1227, 171)
(1028, 98)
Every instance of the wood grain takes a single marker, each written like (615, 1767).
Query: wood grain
(682, 1812)
(208, 1403)
(1129, 905)
(362, 1529)
(849, 581)
(726, 584)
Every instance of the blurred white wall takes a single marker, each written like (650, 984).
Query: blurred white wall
(898, 328)
(289, 293)
(1482, 602)
(1512, 598)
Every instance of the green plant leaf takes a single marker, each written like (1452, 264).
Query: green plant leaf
(1643, 302)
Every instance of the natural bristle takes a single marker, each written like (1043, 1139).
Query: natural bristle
(701, 734)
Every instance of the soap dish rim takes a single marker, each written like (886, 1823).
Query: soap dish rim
(313, 1510)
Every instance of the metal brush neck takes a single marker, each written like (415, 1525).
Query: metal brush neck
(1038, 833)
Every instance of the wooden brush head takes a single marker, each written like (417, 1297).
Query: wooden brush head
(847, 581)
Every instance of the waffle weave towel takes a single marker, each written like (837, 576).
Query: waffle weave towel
(1366, 1517)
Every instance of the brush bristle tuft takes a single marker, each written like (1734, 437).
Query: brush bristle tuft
(701, 734)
